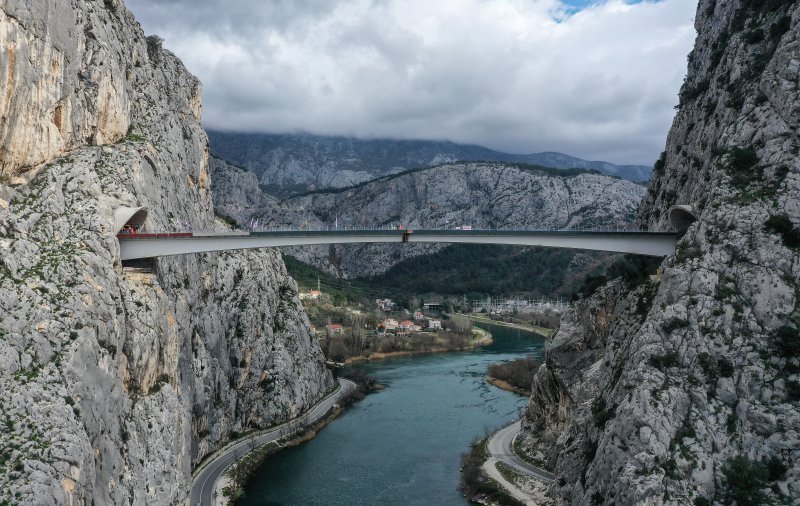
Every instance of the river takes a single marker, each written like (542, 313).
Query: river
(402, 445)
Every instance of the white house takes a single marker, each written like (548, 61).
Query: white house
(409, 326)
(434, 324)
(312, 295)
(385, 304)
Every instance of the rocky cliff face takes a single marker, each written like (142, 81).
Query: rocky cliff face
(288, 164)
(237, 195)
(115, 382)
(483, 195)
(685, 388)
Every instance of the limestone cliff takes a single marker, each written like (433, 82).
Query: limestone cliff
(115, 381)
(684, 388)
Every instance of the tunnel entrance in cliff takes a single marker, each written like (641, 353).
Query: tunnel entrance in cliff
(134, 217)
(681, 217)
(132, 220)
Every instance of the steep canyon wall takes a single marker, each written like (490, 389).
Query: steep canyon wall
(115, 382)
(684, 388)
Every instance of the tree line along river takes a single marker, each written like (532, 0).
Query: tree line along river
(402, 445)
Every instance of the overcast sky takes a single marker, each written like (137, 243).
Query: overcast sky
(594, 79)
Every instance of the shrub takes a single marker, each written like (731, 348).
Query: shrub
(671, 469)
(674, 324)
(633, 269)
(776, 468)
(701, 501)
(689, 93)
(730, 422)
(745, 479)
(754, 36)
(154, 45)
(787, 341)
(793, 390)
(231, 222)
(762, 6)
(660, 165)
(725, 367)
(590, 451)
(742, 165)
(267, 384)
(665, 361)
(644, 303)
(780, 27)
(783, 226)
(708, 364)
(519, 373)
(600, 413)
(590, 285)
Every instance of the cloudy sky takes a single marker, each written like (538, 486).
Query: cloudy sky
(596, 79)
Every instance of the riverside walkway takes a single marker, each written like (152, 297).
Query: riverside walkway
(139, 246)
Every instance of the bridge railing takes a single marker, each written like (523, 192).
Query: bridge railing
(387, 229)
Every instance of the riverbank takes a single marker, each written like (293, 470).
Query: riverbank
(505, 385)
(524, 481)
(208, 472)
(230, 486)
(433, 407)
(480, 337)
(521, 326)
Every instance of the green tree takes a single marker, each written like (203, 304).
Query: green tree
(746, 481)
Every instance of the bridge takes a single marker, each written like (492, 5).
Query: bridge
(159, 245)
(152, 245)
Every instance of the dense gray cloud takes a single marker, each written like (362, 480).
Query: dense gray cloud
(514, 75)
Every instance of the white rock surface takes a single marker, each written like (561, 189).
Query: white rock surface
(113, 384)
(646, 404)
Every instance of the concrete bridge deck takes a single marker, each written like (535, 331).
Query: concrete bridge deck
(157, 245)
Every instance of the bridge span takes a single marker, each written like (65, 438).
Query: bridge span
(157, 245)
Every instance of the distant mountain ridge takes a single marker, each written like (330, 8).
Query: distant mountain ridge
(287, 164)
(482, 194)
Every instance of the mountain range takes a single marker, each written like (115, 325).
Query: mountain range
(288, 164)
(479, 194)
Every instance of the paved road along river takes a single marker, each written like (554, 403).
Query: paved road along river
(402, 445)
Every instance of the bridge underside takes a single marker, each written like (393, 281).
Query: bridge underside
(639, 243)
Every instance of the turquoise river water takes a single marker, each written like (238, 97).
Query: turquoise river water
(402, 445)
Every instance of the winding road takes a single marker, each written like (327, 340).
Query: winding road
(501, 447)
(204, 482)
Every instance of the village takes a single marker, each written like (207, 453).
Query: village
(382, 328)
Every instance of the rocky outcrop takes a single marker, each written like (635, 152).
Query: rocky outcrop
(115, 381)
(237, 195)
(288, 164)
(483, 195)
(690, 392)
(53, 101)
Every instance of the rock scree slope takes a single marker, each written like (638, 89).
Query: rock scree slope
(115, 383)
(685, 388)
